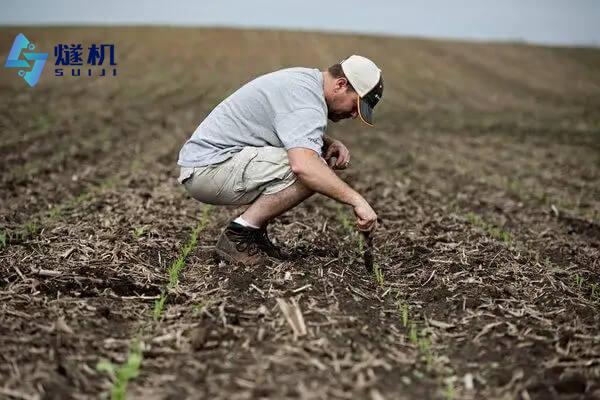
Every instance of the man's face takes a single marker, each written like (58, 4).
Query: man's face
(343, 103)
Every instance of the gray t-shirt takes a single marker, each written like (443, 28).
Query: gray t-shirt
(285, 108)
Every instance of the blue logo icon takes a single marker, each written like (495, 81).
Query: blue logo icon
(31, 76)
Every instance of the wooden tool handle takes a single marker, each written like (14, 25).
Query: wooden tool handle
(368, 254)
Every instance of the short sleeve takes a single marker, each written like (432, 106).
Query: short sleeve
(301, 128)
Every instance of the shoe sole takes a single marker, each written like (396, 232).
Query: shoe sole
(220, 255)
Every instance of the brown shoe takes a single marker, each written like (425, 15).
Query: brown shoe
(238, 244)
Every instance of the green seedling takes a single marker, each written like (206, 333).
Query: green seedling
(578, 280)
(198, 308)
(2, 239)
(449, 392)
(42, 122)
(473, 218)
(31, 228)
(412, 333)
(346, 224)
(489, 229)
(139, 231)
(595, 292)
(404, 313)
(504, 236)
(159, 305)
(420, 340)
(175, 268)
(361, 244)
(365, 243)
(121, 375)
(424, 345)
(174, 271)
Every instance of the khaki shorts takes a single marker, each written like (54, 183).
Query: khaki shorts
(242, 178)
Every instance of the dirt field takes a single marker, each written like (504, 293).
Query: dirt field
(484, 168)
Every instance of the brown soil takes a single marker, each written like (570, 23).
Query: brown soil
(484, 168)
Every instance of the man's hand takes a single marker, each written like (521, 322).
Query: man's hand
(366, 219)
(338, 150)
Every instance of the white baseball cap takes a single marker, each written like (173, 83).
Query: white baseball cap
(365, 77)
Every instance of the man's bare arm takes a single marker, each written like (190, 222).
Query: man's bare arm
(317, 176)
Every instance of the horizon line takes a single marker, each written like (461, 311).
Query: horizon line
(371, 33)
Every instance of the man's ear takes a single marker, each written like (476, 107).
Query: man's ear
(340, 84)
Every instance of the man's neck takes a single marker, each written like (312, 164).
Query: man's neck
(326, 85)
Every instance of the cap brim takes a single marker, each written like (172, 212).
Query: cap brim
(365, 111)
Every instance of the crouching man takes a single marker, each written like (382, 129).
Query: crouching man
(265, 145)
